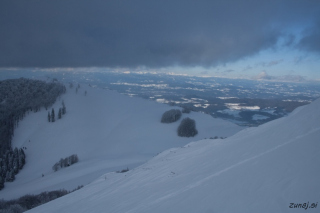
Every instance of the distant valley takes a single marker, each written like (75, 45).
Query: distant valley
(244, 102)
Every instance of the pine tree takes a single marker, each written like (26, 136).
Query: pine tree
(66, 162)
(10, 176)
(15, 152)
(1, 183)
(55, 167)
(60, 113)
(52, 115)
(10, 162)
(16, 166)
(73, 159)
(4, 168)
(49, 117)
(21, 161)
(61, 163)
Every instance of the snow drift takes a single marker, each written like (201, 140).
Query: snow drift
(270, 168)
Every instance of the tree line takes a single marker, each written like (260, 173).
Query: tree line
(19, 97)
(68, 161)
(10, 165)
(62, 111)
(28, 202)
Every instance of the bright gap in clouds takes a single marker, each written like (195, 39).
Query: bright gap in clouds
(277, 61)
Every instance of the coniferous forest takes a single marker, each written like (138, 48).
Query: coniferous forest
(19, 97)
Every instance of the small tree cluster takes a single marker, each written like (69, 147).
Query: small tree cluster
(62, 111)
(187, 128)
(216, 137)
(171, 116)
(10, 164)
(186, 110)
(28, 202)
(123, 170)
(68, 161)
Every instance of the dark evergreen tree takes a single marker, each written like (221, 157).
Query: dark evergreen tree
(55, 167)
(1, 182)
(66, 162)
(15, 152)
(10, 162)
(60, 113)
(73, 159)
(61, 163)
(15, 165)
(21, 162)
(4, 168)
(52, 115)
(10, 176)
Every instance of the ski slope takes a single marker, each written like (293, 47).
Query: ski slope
(108, 131)
(260, 169)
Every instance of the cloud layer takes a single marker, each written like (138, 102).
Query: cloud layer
(126, 33)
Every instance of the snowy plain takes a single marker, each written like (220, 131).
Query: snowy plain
(108, 131)
(270, 168)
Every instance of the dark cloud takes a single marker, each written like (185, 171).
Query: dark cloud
(311, 41)
(126, 33)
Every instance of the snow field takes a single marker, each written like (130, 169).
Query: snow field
(261, 169)
(107, 131)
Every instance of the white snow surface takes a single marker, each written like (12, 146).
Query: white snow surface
(259, 169)
(108, 131)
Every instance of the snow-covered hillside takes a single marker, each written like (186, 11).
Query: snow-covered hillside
(262, 169)
(107, 131)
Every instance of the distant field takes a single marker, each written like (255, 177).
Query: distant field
(245, 102)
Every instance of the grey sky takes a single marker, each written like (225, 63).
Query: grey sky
(131, 33)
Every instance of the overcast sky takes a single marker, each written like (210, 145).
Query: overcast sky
(205, 37)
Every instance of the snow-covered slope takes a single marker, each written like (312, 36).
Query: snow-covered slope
(262, 169)
(107, 131)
